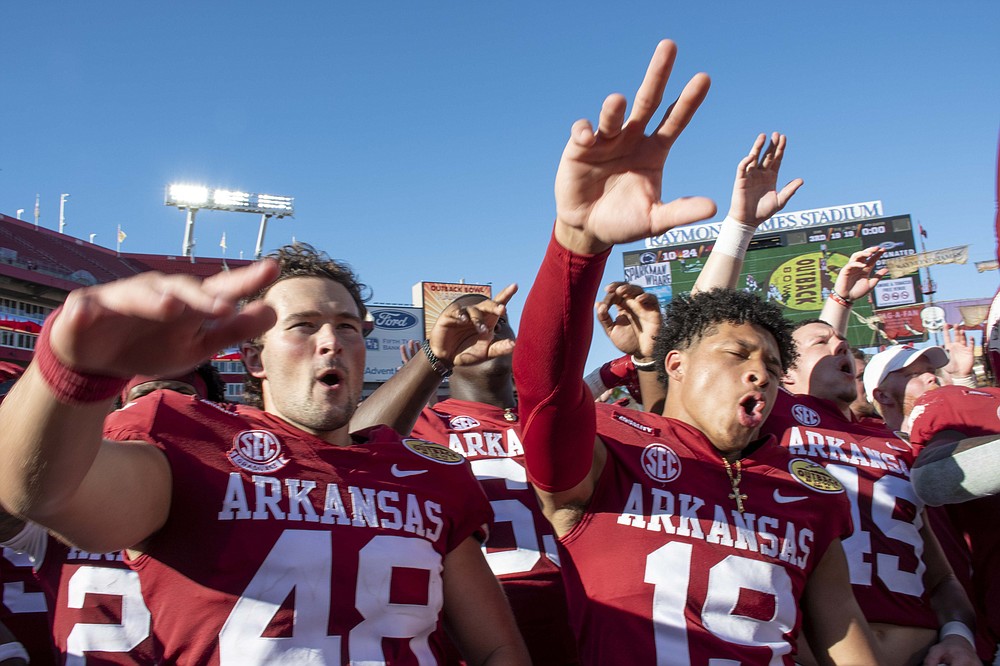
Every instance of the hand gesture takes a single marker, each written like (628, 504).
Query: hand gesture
(856, 279)
(156, 324)
(609, 182)
(466, 335)
(408, 350)
(634, 328)
(952, 650)
(961, 351)
(754, 196)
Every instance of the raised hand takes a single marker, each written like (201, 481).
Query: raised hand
(856, 279)
(961, 351)
(755, 198)
(155, 324)
(609, 182)
(636, 323)
(464, 334)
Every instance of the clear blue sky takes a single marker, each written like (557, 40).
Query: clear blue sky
(420, 140)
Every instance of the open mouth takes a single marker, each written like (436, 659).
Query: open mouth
(751, 410)
(330, 377)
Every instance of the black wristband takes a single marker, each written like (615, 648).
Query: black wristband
(437, 364)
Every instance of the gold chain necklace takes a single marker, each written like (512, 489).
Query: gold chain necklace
(734, 481)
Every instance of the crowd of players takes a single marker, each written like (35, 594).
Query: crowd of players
(767, 506)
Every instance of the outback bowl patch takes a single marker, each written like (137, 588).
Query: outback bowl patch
(435, 452)
(257, 451)
(814, 475)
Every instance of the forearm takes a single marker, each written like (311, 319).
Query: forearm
(398, 402)
(49, 446)
(725, 261)
(836, 315)
(553, 342)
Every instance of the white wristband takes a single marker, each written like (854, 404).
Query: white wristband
(956, 628)
(734, 238)
(968, 381)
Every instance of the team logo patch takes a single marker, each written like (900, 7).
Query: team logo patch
(257, 451)
(814, 475)
(805, 415)
(462, 423)
(632, 423)
(660, 463)
(435, 452)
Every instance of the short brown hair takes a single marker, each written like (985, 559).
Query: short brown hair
(303, 260)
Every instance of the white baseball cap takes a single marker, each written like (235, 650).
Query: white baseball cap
(896, 358)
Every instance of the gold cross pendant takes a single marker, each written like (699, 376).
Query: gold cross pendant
(734, 481)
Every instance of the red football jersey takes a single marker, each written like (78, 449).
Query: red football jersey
(664, 568)
(282, 547)
(98, 613)
(522, 547)
(885, 551)
(974, 413)
(24, 609)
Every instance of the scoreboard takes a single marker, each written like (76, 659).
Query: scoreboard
(797, 269)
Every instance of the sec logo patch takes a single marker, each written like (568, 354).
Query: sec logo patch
(661, 463)
(257, 451)
(461, 423)
(805, 415)
(815, 476)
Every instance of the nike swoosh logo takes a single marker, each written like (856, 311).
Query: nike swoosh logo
(401, 473)
(896, 448)
(787, 499)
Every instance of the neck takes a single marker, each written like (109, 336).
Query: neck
(496, 391)
(894, 419)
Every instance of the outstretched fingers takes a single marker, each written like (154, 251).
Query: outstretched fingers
(650, 93)
(682, 111)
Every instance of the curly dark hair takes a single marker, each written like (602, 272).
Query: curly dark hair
(303, 260)
(689, 318)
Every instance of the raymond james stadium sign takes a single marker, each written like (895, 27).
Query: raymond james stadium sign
(783, 222)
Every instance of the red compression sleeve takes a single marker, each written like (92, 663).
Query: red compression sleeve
(557, 324)
(622, 372)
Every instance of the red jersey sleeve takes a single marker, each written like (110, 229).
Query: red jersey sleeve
(554, 339)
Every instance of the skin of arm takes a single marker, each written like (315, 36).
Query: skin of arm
(101, 495)
(466, 615)
(853, 282)
(462, 335)
(754, 201)
(950, 604)
(836, 630)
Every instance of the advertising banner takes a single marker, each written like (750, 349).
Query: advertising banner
(393, 325)
(900, 266)
(434, 297)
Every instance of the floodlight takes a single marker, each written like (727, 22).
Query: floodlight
(231, 198)
(197, 197)
(187, 196)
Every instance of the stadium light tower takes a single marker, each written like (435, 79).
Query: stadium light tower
(62, 212)
(198, 197)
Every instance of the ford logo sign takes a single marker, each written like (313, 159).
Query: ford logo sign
(393, 319)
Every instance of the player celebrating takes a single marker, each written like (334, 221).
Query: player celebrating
(259, 536)
(951, 428)
(708, 564)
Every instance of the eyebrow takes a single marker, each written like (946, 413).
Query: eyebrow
(313, 314)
